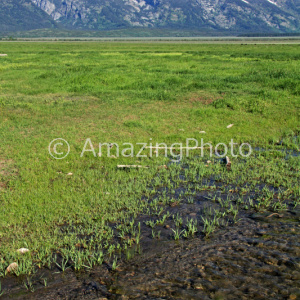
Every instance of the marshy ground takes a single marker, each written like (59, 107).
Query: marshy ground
(199, 238)
(187, 230)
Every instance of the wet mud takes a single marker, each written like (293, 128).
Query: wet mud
(251, 252)
(257, 256)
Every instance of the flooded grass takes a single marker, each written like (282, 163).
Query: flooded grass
(191, 205)
(194, 229)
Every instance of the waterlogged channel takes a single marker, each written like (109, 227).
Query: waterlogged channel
(203, 234)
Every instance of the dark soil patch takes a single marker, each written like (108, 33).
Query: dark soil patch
(257, 258)
(204, 99)
(6, 170)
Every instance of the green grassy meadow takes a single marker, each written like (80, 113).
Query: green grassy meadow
(131, 93)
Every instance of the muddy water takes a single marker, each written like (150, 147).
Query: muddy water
(255, 257)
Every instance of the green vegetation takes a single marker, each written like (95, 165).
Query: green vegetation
(80, 211)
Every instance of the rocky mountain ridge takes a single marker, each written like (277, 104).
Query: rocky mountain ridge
(220, 15)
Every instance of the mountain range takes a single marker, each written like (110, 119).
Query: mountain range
(231, 16)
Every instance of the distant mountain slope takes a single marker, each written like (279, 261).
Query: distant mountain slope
(219, 16)
(233, 15)
(23, 15)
